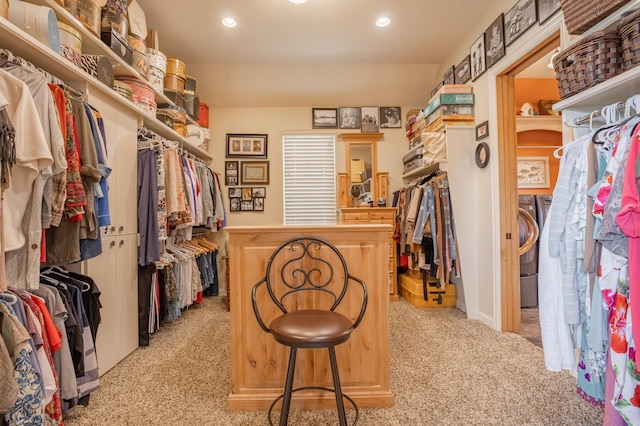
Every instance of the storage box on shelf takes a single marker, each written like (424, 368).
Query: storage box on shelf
(41, 55)
(580, 15)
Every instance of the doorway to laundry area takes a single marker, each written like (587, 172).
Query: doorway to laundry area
(514, 317)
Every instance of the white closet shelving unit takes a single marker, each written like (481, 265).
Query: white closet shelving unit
(115, 270)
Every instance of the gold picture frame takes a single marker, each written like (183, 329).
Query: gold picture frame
(254, 172)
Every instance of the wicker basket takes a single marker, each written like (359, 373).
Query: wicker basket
(590, 61)
(629, 32)
(580, 15)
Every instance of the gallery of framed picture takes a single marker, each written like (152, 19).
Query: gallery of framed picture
(241, 168)
(247, 199)
(368, 119)
(490, 46)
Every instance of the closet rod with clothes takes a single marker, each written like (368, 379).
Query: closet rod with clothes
(589, 264)
(176, 192)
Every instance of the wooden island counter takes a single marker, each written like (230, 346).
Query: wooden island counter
(259, 364)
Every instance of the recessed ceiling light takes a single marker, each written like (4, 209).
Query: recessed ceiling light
(383, 22)
(229, 22)
(298, 1)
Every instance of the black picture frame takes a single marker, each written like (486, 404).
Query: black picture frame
(482, 130)
(244, 145)
(350, 118)
(494, 41)
(370, 120)
(519, 19)
(546, 9)
(462, 72)
(324, 118)
(482, 155)
(478, 60)
(231, 173)
(258, 192)
(391, 117)
(449, 76)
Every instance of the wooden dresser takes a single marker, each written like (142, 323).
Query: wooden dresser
(377, 215)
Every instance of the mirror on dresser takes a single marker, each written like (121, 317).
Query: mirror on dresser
(362, 185)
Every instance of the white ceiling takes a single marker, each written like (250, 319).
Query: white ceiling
(300, 42)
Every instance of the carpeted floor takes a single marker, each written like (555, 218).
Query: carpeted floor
(445, 370)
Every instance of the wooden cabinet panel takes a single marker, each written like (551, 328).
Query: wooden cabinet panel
(259, 363)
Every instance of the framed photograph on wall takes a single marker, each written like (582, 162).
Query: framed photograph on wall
(231, 173)
(350, 118)
(246, 145)
(476, 53)
(482, 130)
(449, 76)
(324, 118)
(254, 172)
(533, 172)
(494, 41)
(370, 120)
(390, 117)
(519, 19)
(546, 9)
(462, 72)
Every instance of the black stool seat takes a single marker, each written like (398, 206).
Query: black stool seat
(311, 328)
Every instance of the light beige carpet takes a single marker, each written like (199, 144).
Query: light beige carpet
(445, 370)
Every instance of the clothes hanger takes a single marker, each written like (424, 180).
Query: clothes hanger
(9, 297)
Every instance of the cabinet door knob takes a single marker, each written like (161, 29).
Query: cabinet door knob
(112, 244)
(121, 243)
(121, 229)
(113, 229)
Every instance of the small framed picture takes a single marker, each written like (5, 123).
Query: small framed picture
(246, 206)
(350, 118)
(258, 204)
(259, 192)
(325, 118)
(476, 53)
(533, 172)
(231, 173)
(245, 145)
(235, 192)
(390, 117)
(234, 204)
(482, 130)
(546, 9)
(254, 172)
(494, 41)
(370, 120)
(449, 76)
(482, 155)
(463, 71)
(519, 19)
(246, 194)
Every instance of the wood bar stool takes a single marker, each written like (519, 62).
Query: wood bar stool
(297, 267)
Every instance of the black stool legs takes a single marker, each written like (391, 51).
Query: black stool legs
(288, 390)
(288, 387)
(336, 386)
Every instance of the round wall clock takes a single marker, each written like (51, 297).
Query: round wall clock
(482, 155)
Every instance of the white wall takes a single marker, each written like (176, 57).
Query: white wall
(485, 215)
(273, 121)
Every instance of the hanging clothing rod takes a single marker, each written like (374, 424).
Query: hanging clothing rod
(596, 114)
